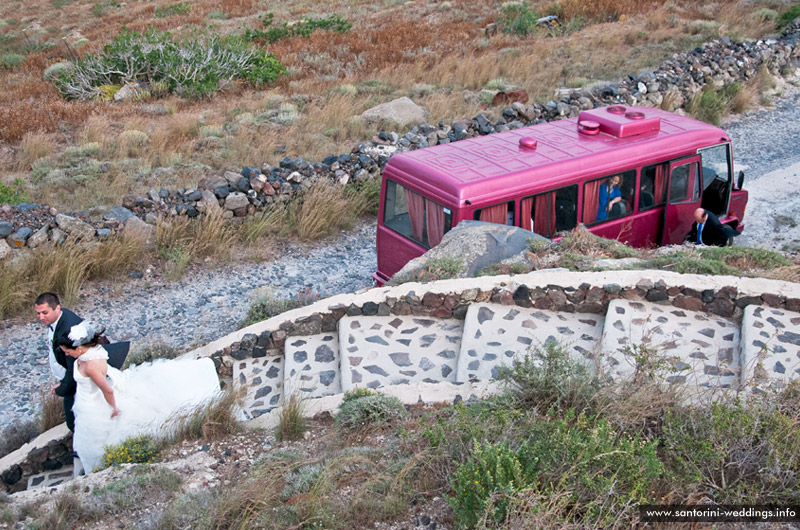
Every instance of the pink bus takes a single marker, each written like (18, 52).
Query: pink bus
(635, 174)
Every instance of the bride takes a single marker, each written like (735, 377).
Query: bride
(111, 406)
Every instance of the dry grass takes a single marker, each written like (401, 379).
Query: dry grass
(16, 292)
(52, 412)
(34, 145)
(211, 422)
(387, 46)
(291, 420)
(208, 237)
(324, 209)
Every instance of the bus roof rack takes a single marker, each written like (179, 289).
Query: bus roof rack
(619, 121)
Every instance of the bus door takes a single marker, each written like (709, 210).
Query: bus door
(684, 199)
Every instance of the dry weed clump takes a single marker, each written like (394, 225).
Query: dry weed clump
(34, 145)
(214, 421)
(323, 210)
(52, 413)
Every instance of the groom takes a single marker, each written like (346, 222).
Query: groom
(59, 321)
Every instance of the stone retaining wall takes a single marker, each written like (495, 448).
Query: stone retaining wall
(580, 292)
(49, 451)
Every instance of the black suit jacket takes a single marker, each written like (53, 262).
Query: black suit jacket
(714, 232)
(65, 323)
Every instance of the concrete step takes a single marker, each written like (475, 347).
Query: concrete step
(379, 351)
(697, 350)
(770, 348)
(496, 335)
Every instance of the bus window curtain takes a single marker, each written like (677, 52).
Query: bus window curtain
(434, 214)
(495, 214)
(660, 183)
(416, 213)
(591, 194)
(525, 214)
(544, 222)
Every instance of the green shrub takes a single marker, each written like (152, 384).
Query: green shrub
(743, 453)
(136, 450)
(494, 470)
(266, 305)
(303, 28)
(193, 66)
(181, 8)
(519, 18)
(145, 485)
(548, 379)
(11, 60)
(357, 393)
(711, 105)
(788, 16)
(734, 261)
(56, 69)
(602, 473)
(368, 411)
(13, 194)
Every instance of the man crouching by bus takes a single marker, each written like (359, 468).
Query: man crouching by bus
(707, 230)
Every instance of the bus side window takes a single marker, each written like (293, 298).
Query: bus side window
(679, 184)
(548, 213)
(414, 216)
(652, 186)
(609, 197)
(502, 214)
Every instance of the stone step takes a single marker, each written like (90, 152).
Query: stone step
(311, 366)
(378, 351)
(770, 348)
(496, 335)
(698, 350)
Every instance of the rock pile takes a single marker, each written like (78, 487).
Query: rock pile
(235, 195)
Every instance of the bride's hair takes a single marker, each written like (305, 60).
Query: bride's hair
(86, 333)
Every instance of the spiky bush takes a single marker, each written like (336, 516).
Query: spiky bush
(195, 66)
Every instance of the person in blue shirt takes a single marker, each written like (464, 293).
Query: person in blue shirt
(610, 194)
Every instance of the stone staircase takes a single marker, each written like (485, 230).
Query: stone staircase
(705, 354)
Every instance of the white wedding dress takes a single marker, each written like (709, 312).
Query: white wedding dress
(148, 396)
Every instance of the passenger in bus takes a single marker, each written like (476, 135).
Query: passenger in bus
(609, 195)
(707, 230)
(646, 198)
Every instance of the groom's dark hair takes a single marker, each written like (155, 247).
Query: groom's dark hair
(51, 299)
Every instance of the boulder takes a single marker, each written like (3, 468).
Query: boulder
(118, 213)
(476, 244)
(6, 229)
(208, 203)
(39, 237)
(236, 200)
(402, 111)
(211, 183)
(74, 226)
(20, 237)
(135, 227)
(5, 249)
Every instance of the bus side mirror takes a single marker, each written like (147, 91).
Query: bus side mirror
(740, 180)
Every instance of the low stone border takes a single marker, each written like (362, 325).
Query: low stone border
(49, 451)
(582, 292)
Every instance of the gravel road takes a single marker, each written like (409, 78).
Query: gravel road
(208, 304)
